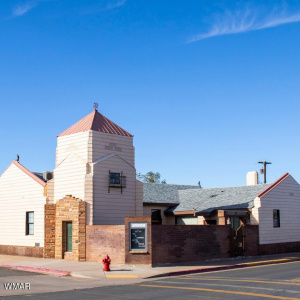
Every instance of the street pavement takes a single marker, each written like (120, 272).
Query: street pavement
(277, 281)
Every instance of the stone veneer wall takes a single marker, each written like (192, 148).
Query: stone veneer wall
(68, 209)
(73, 210)
(21, 250)
(49, 236)
(105, 239)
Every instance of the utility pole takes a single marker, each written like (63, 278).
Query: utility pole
(265, 163)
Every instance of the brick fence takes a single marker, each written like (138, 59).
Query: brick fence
(187, 243)
(165, 243)
(251, 240)
(105, 239)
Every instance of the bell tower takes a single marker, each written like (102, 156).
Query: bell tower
(95, 162)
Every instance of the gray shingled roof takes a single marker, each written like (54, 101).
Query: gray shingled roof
(207, 200)
(163, 193)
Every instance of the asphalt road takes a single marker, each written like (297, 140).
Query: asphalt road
(280, 281)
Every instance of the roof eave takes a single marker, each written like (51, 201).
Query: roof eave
(181, 213)
(29, 173)
(273, 185)
(160, 204)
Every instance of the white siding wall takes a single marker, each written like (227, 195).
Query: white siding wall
(111, 208)
(139, 198)
(286, 198)
(105, 143)
(20, 193)
(77, 143)
(73, 152)
(69, 178)
(166, 220)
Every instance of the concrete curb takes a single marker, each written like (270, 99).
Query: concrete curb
(78, 275)
(38, 270)
(220, 268)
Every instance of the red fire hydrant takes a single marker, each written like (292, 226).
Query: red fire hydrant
(106, 262)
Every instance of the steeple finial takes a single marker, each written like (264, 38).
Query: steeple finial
(95, 105)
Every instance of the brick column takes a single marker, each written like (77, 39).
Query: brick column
(221, 217)
(49, 235)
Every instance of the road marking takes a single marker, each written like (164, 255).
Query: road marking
(226, 285)
(219, 291)
(295, 279)
(248, 267)
(270, 262)
(240, 280)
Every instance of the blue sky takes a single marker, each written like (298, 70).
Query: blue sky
(208, 88)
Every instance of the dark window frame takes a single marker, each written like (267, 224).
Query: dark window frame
(28, 223)
(113, 179)
(157, 220)
(276, 218)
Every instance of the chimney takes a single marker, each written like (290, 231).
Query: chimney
(252, 178)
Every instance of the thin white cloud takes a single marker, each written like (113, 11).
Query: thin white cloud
(244, 22)
(22, 9)
(95, 9)
(115, 4)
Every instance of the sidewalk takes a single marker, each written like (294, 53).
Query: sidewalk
(93, 270)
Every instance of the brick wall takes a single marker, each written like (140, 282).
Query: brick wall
(21, 250)
(105, 239)
(137, 257)
(277, 248)
(49, 236)
(175, 243)
(251, 240)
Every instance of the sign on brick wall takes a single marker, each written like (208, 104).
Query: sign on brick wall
(138, 236)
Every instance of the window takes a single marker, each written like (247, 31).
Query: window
(276, 218)
(156, 216)
(114, 178)
(29, 223)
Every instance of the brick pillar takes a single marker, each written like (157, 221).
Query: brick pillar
(82, 231)
(49, 236)
(221, 217)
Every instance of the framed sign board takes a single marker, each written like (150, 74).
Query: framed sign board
(138, 236)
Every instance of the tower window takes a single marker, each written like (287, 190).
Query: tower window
(114, 178)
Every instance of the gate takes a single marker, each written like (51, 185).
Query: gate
(237, 241)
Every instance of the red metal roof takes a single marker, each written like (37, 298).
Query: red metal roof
(273, 185)
(97, 122)
(30, 174)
